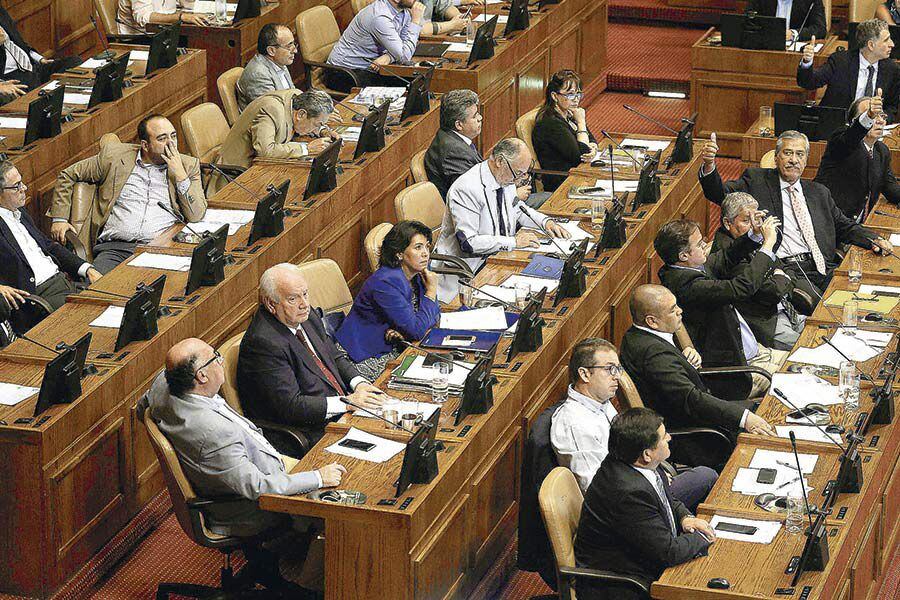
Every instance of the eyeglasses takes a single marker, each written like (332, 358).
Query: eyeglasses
(613, 370)
(290, 47)
(216, 358)
(18, 187)
(572, 96)
(523, 178)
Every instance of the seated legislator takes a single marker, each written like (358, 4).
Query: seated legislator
(706, 291)
(561, 138)
(133, 16)
(631, 523)
(667, 379)
(32, 263)
(267, 127)
(289, 370)
(800, 27)
(398, 301)
(23, 68)
(384, 32)
(131, 181)
(889, 12)
(857, 74)
(856, 165)
(579, 433)
(268, 70)
(485, 216)
(453, 151)
(812, 225)
(770, 312)
(442, 17)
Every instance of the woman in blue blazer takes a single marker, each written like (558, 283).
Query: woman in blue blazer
(398, 301)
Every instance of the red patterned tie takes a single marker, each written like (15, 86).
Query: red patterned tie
(322, 366)
(801, 213)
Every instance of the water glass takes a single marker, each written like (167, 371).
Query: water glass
(766, 123)
(523, 290)
(848, 386)
(221, 9)
(793, 520)
(598, 213)
(851, 316)
(468, 295)
(440, 382)
(471, 27)
(390, 410)
(854, 275)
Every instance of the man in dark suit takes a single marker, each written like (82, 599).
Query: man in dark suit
(856, 166)
(799, 26)
(666, 379)
(812, 225)
(453, 150)
(706, 292)
(630, 522)
(289, 370)
(856, 74)
(21, 66)
(30, 262)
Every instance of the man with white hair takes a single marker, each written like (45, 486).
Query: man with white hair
(289, 370)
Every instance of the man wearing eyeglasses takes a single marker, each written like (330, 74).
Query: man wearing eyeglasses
(268, 70)
(485, 216)
(579, 432)
(30, 262)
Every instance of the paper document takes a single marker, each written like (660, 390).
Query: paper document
(111, 317)
(567, 246)
(351, 134)
(803, 389)
(79, 99)
(209, 6)
(13, 122)
(404, 407)
(536, 283)
(51, 85)
(138, 55)
(458, 372)
(866, 302)
(808, 433)
(787, 481)
(872, 289)
(857, 348)
(384, 449)
(650, 145)
(506, 294)
(459, 47)
(574, 229)
(216, 217)
(765, 530)
(483, 18)
(11, 394)
(620, 186)
(374, 95)
(773, 459)
(93, 63)
(491, 317)
(166, 262)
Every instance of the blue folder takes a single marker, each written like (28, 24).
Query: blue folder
(484, 340)
(545, 267)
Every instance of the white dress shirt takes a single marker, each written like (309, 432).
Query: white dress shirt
(41, 265)
(11, 65)
(863, 77)
(792, 241)
(579, 435)
(134, 15)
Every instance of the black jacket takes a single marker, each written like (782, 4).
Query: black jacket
(832, 227)
(556, 146)
(841, 72)
(9, 25)
(277, 377)
(447, 158)
(854, 179)
(815, 24)
(624, 529)
(672, 387)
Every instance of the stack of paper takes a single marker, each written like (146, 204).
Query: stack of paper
(384, 450)
(489, 318)
(138, 55)
(459, 47)
(773, 459)
(93, 63)
(502, 292)
(413, 376)
(765, 530)
(798, 47)
(351, 134)
(77, 99)
(882, 289)
(786, 482)
(535, 283)
(167, 262)
(574, 228)
(803, 389)
(483, 18)
(648, 145)
(859, 347)
(13, 122)
(866, 302)
(567, 246)
(216, 217)
(11, 394)
(111, 317)
(375, 95)
(620, 186)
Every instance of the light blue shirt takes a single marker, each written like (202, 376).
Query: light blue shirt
(783, 10)
(378, 29)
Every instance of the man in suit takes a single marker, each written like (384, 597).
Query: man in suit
(804, 18)
(666, 379)
(30, 262)
(267, 126)
(453, 150)
(856, 74)
(630, 522)
(268, 70)
(706, 291)
(856, 165)
(775, 313)
(289, 370)
(131, 181)
(485, 215)
(23, 68)
(580, 428)
(812, 225)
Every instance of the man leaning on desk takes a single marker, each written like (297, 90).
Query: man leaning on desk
(133, 16)
(804, 18)
(132, 180)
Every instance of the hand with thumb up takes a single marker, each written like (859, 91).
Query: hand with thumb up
(708, 153)
(809, 50)
(876, 105)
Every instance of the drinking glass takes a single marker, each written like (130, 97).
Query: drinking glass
(766, 123)
(470, 32)
(221, 10)
(848, 386)
(440, 382)
(598, 213)
(793, 520)
(523, 290)
(851, 316)
(854, 275)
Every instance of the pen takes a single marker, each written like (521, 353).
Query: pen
(784, 464)
(787, 483)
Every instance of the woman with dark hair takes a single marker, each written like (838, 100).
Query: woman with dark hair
(561, 138)
(398, 301)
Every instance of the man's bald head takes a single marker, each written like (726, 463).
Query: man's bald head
(191, 367)
(654, 306)
(283, 291)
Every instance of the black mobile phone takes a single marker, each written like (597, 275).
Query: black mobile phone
(592, 190)
(736, 528)
(356, 445)
(803, 413)
(766, 476)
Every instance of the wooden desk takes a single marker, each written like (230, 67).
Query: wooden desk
(728, 85)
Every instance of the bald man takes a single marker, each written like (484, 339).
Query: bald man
(289, 369)
(667, 379)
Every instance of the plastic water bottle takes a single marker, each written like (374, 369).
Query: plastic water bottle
(440, 382)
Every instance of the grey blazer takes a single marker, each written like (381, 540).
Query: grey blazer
(261, 76)
(220, 457)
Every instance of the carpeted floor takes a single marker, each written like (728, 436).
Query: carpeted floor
(659, 11)
(649, 57)
(607, 112)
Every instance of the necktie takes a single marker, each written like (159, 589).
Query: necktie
(475, 148)
(870, 83)
(806, 229)
(500, 211)
(329, 376)
(18, 55)
(665, 501)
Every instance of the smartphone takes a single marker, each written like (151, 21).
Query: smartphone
(736, 528)
(356, 445)
(592, 190)
(804, 412)
(766, 476)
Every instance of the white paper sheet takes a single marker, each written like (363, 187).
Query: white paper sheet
(803, 389)
(227, 215)
(78, 99)
(459, 47)
(483, 18)
(138, 55)
(210, 226)
(860, 348)
(209, 6)
(798, 46)
(384, 449)
(871, 289)
(351, 134)
(166, 262)
(773, 459)
(574, 229)
(419, 372)
(11, 393)
(13, 122)
(536, 283)
(369, 95)
(650, 145)
(506, 294)
(491, 317)
(765, 533)
(807, 433)
(403, 407)
(93, 63)
(619, 186)
(786, 482)
(51, 85)
(111, 317)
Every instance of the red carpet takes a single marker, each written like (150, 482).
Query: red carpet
(636, 65)
(606, 112)
(659, 11)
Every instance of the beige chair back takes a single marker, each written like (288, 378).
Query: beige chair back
(826, 4)
(627, 393)
(205, 128)
(417, 167)
(683, 338)
(859, 10)
(421, 202)
(318, 32)
(227, 86)
(560, 500)
(107, 10)
(328, 289)
(524, 129)
(373, 243)
(768, 160)
(358, 5)
(229, 351)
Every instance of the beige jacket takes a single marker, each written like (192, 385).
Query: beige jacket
(108, 171)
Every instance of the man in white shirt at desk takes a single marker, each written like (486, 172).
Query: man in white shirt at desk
(133, 16)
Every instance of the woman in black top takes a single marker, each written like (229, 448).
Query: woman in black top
(561, 138)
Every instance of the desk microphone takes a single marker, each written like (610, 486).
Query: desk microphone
(780, 395)
(181, 220)
(435, 355)
(37, 343)
(368, 411)
(107, 54)
(845, 357)
(800, 471)
(797, 41)
(507, 305)
(230, 179)
(563, 253)
(651, 119)
(627, 153)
